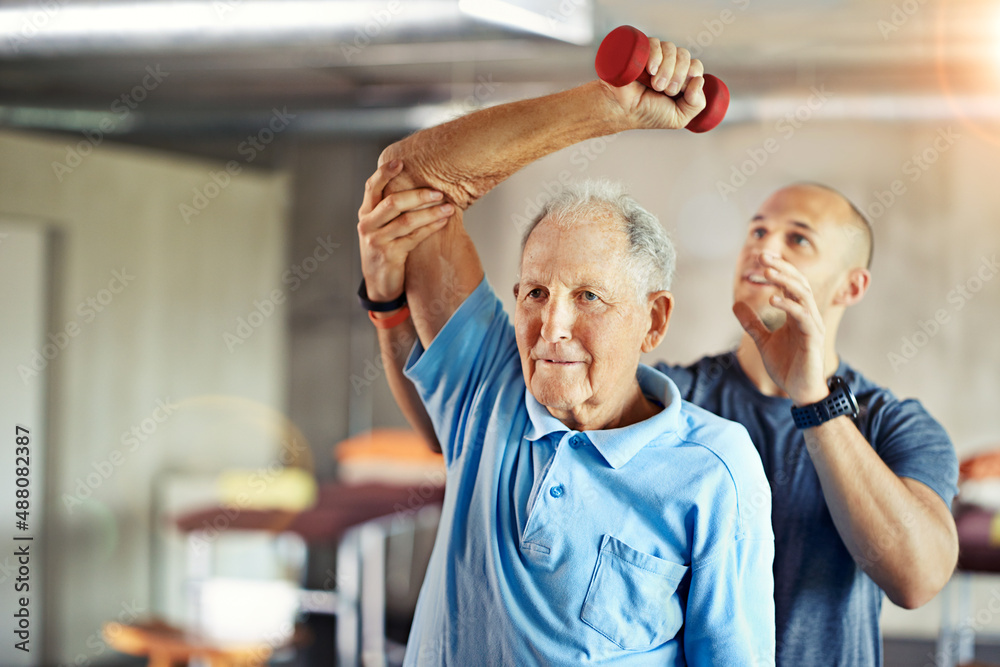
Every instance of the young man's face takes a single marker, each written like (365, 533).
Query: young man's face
(810, 228)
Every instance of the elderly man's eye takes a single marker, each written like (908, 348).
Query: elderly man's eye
(589, 296)
(535, 293)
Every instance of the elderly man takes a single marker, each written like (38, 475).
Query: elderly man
(590, 514)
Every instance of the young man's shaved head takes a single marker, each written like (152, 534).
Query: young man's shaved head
(859, 229)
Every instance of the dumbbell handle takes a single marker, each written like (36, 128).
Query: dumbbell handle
(621, 59)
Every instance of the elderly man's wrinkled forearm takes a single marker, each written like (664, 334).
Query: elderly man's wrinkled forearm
(467, 157)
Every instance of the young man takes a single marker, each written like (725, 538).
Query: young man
(861, 491)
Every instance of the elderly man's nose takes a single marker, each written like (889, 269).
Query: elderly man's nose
(556, 322)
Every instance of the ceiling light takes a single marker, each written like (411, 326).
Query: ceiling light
(565, 20)
(60, 26)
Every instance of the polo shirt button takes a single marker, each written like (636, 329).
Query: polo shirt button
(576, 442)
(556, 491)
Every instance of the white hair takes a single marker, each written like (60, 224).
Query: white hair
(651, 257)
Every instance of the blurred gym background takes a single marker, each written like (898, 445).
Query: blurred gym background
(179, 185)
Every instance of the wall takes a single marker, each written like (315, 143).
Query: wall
(337, 386)
(142, 376)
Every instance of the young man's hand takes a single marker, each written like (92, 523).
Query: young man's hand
(392, 226)
(792, 354)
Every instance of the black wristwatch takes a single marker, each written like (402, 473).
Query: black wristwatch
(379, 306)
(841, 401)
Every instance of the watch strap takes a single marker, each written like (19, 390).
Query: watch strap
(379, 306)
(840, 402)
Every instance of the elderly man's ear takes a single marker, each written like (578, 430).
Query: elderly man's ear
(661, 307)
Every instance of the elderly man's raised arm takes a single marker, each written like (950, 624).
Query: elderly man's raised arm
(465, 158)
(468, 156)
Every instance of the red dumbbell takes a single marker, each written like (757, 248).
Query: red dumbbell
(621, 59)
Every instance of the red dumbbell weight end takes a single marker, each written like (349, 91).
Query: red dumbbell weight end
(621, 59)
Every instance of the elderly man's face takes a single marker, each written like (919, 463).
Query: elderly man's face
(580, 327)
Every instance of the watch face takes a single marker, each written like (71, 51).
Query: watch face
(852, 399)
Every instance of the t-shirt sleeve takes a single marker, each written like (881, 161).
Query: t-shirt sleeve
(473, 349)
(912, 443)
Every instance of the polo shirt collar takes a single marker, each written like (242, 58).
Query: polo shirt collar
(618, 445)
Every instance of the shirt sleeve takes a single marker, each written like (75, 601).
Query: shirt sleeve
(729, 618)
(911, 443)
(475, 350)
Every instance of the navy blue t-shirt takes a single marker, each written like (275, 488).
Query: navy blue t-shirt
(826, 608)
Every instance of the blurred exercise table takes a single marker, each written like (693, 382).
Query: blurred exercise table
(978, 553)
(360, 518)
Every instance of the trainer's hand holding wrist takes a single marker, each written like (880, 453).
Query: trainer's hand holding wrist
(384, 285)
(390, 227)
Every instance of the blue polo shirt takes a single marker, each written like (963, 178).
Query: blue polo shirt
(648, 544)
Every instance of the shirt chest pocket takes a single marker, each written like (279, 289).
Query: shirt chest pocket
(633, 599)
